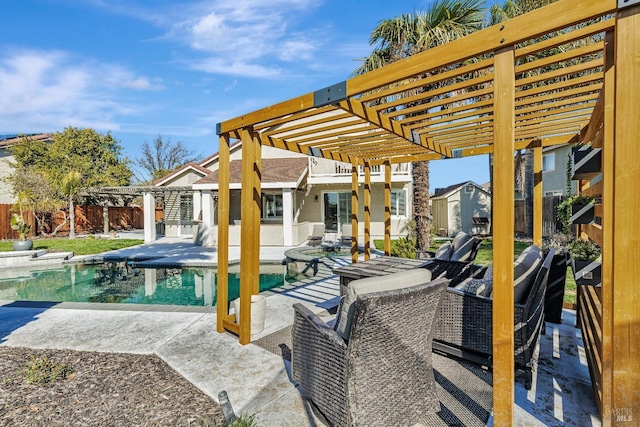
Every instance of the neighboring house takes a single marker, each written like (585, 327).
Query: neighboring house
(461, 207)
(554, 171)
(6, 141)
(298, 191)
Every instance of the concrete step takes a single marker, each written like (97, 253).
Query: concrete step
(58, 256)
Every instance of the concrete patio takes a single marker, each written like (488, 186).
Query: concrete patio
(257, 381)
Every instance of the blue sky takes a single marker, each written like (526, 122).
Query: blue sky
(143, 68)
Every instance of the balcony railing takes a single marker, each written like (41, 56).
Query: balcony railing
(319, 167)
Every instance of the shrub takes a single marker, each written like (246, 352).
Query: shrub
(45, 371)
(584, 250)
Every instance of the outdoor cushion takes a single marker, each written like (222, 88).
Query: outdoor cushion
(525, 270)
(444, 251)
(404, 279)
(463, 245)
(480, 287)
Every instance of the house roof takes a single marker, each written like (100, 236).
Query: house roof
(444, 192)
(189, 166)
(285, 170)
(214, 157)
(9, 140)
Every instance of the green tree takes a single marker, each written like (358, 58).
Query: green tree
(406, 35)
(160, 157)
(75, 159)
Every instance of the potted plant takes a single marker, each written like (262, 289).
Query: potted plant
(582, 209)
(554, 297)
(18, 224)
(585, 256)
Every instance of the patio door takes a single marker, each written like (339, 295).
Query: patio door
(337, 210)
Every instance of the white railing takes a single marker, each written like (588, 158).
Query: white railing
(319, 167)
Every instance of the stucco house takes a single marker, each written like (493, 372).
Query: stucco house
(298, 192)
(461, 207)
(6, 159)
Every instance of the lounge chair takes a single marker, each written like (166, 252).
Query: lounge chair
(464, 325)
(317, 236)
(374, 366)
(463, 248)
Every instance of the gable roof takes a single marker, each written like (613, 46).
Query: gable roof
(214, 157)
(447, 191)
(189, 166)
(285, 170)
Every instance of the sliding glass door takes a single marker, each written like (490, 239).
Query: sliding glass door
(337, 210)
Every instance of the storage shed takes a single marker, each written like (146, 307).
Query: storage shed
(461, 207)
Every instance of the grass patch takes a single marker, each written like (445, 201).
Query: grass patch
(83, 246)
(45, 371)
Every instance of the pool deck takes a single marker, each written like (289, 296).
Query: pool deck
(257, 381)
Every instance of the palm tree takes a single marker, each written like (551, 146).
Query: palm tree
(524, 166)
(406, 35)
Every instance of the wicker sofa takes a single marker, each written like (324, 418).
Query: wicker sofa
(382, 374)
(464, 326)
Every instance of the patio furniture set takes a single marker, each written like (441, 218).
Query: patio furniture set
(374, 363)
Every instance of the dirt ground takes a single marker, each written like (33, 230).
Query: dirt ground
(103, 389)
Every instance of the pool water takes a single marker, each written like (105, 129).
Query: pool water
(123, 283)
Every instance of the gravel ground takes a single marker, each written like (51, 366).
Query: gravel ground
(103, 389)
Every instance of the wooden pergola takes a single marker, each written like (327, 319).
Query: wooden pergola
(566, 73)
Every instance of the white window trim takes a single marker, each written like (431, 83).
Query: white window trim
(404, 191)
(553, 162)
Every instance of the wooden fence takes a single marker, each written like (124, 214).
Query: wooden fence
(89, 219)
(550, 223)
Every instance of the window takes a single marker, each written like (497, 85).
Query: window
(468, 189)
(271, 206)
(549, 162)
(398, 202)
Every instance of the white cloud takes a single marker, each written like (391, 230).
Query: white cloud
(49, 90)
(245, 38)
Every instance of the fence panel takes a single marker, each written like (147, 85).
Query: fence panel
(550, 223)
(89, 219)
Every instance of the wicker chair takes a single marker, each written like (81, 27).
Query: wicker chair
(464, 326)
(383, 374)
(463, 248)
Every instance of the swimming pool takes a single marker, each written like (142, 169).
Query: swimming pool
(123, 283)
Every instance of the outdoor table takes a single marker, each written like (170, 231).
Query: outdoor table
(380, 266)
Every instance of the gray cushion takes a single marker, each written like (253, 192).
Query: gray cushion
(444, 251)
(404, 279)
(463, 245)
(525, 271)
(480, 287)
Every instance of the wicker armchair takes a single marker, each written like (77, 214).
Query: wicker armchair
(383, 374)
(464, 326)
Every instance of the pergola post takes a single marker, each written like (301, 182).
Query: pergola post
(354, 213)
(623, 262)
(503, 234)
(149, 204)
(367, 211)
(222, 311)
(387, 208)
(249, 230)
(537, 194)
(105, 217)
